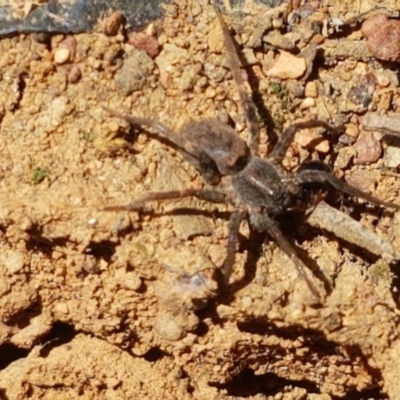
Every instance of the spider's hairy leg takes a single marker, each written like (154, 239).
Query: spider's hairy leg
(212, 196)
(265, 224)
(317, 176)
(279, 150)
(246, 102)
(162, 130)
(235, 221)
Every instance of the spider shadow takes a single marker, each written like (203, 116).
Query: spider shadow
(252, 244)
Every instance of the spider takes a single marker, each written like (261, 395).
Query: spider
(260, 189)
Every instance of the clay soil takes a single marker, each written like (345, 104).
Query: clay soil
(99, 304)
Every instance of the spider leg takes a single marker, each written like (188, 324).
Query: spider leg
(318, 176)
(247, 103)
(265, 224)
(203, 163)
(212, 196)
(287, 136)
(235, 220)
(164, 132)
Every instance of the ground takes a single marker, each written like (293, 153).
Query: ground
(100, 304)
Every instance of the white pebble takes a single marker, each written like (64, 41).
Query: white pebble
(61, 56)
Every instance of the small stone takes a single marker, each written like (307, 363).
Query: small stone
(69, 43)
(352, 130)
(74, 74)
(113, 23)
(311, 90)
(61, 308)
(215, 40)
(287, 67)
(383, 80)
(368, 149)
(391, 158)
(145, 42)
(383, 37)
(61, 56)
(93, 222)
(362, 90)
(210, 92)
(307, 103)
(385, 101)
(323, 147)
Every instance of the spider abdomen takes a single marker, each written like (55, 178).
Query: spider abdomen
(219, 142)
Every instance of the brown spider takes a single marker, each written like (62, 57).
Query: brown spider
(259, 189)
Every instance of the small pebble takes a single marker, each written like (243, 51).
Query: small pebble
(210, 92)
(74, 74)
(215, 40)
(383, 80)
(61, 56)
(113, 23)
(311, 90)
(93, 222)
(352, 130)
(287, 67)
(391, 158)
(307, 103)
(383, 37)
(368, 149)
(69, 43)
(323, 147)
(145, 42)
(61, 308)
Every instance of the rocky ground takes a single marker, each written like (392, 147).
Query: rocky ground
(100, 305)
